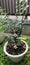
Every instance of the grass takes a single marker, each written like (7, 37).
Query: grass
(5, 60)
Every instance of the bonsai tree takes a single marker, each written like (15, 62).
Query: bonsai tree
(14, 46)
(15, 29)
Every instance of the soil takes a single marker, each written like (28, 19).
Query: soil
(19, 50)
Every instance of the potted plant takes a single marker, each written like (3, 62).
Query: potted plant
(15, 48)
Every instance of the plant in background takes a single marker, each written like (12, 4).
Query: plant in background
(1, 10)
(4, 24)
(21, 6)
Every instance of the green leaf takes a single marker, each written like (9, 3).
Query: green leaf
(1, 63)
(22, 38)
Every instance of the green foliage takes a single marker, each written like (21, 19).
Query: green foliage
(1, 63)
(1, 23)
(22, 6)
(10, 38)
(12, 26)
(1, 10)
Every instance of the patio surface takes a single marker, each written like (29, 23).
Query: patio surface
(5, 60)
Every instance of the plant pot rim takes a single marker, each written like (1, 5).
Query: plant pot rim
(16, 55)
